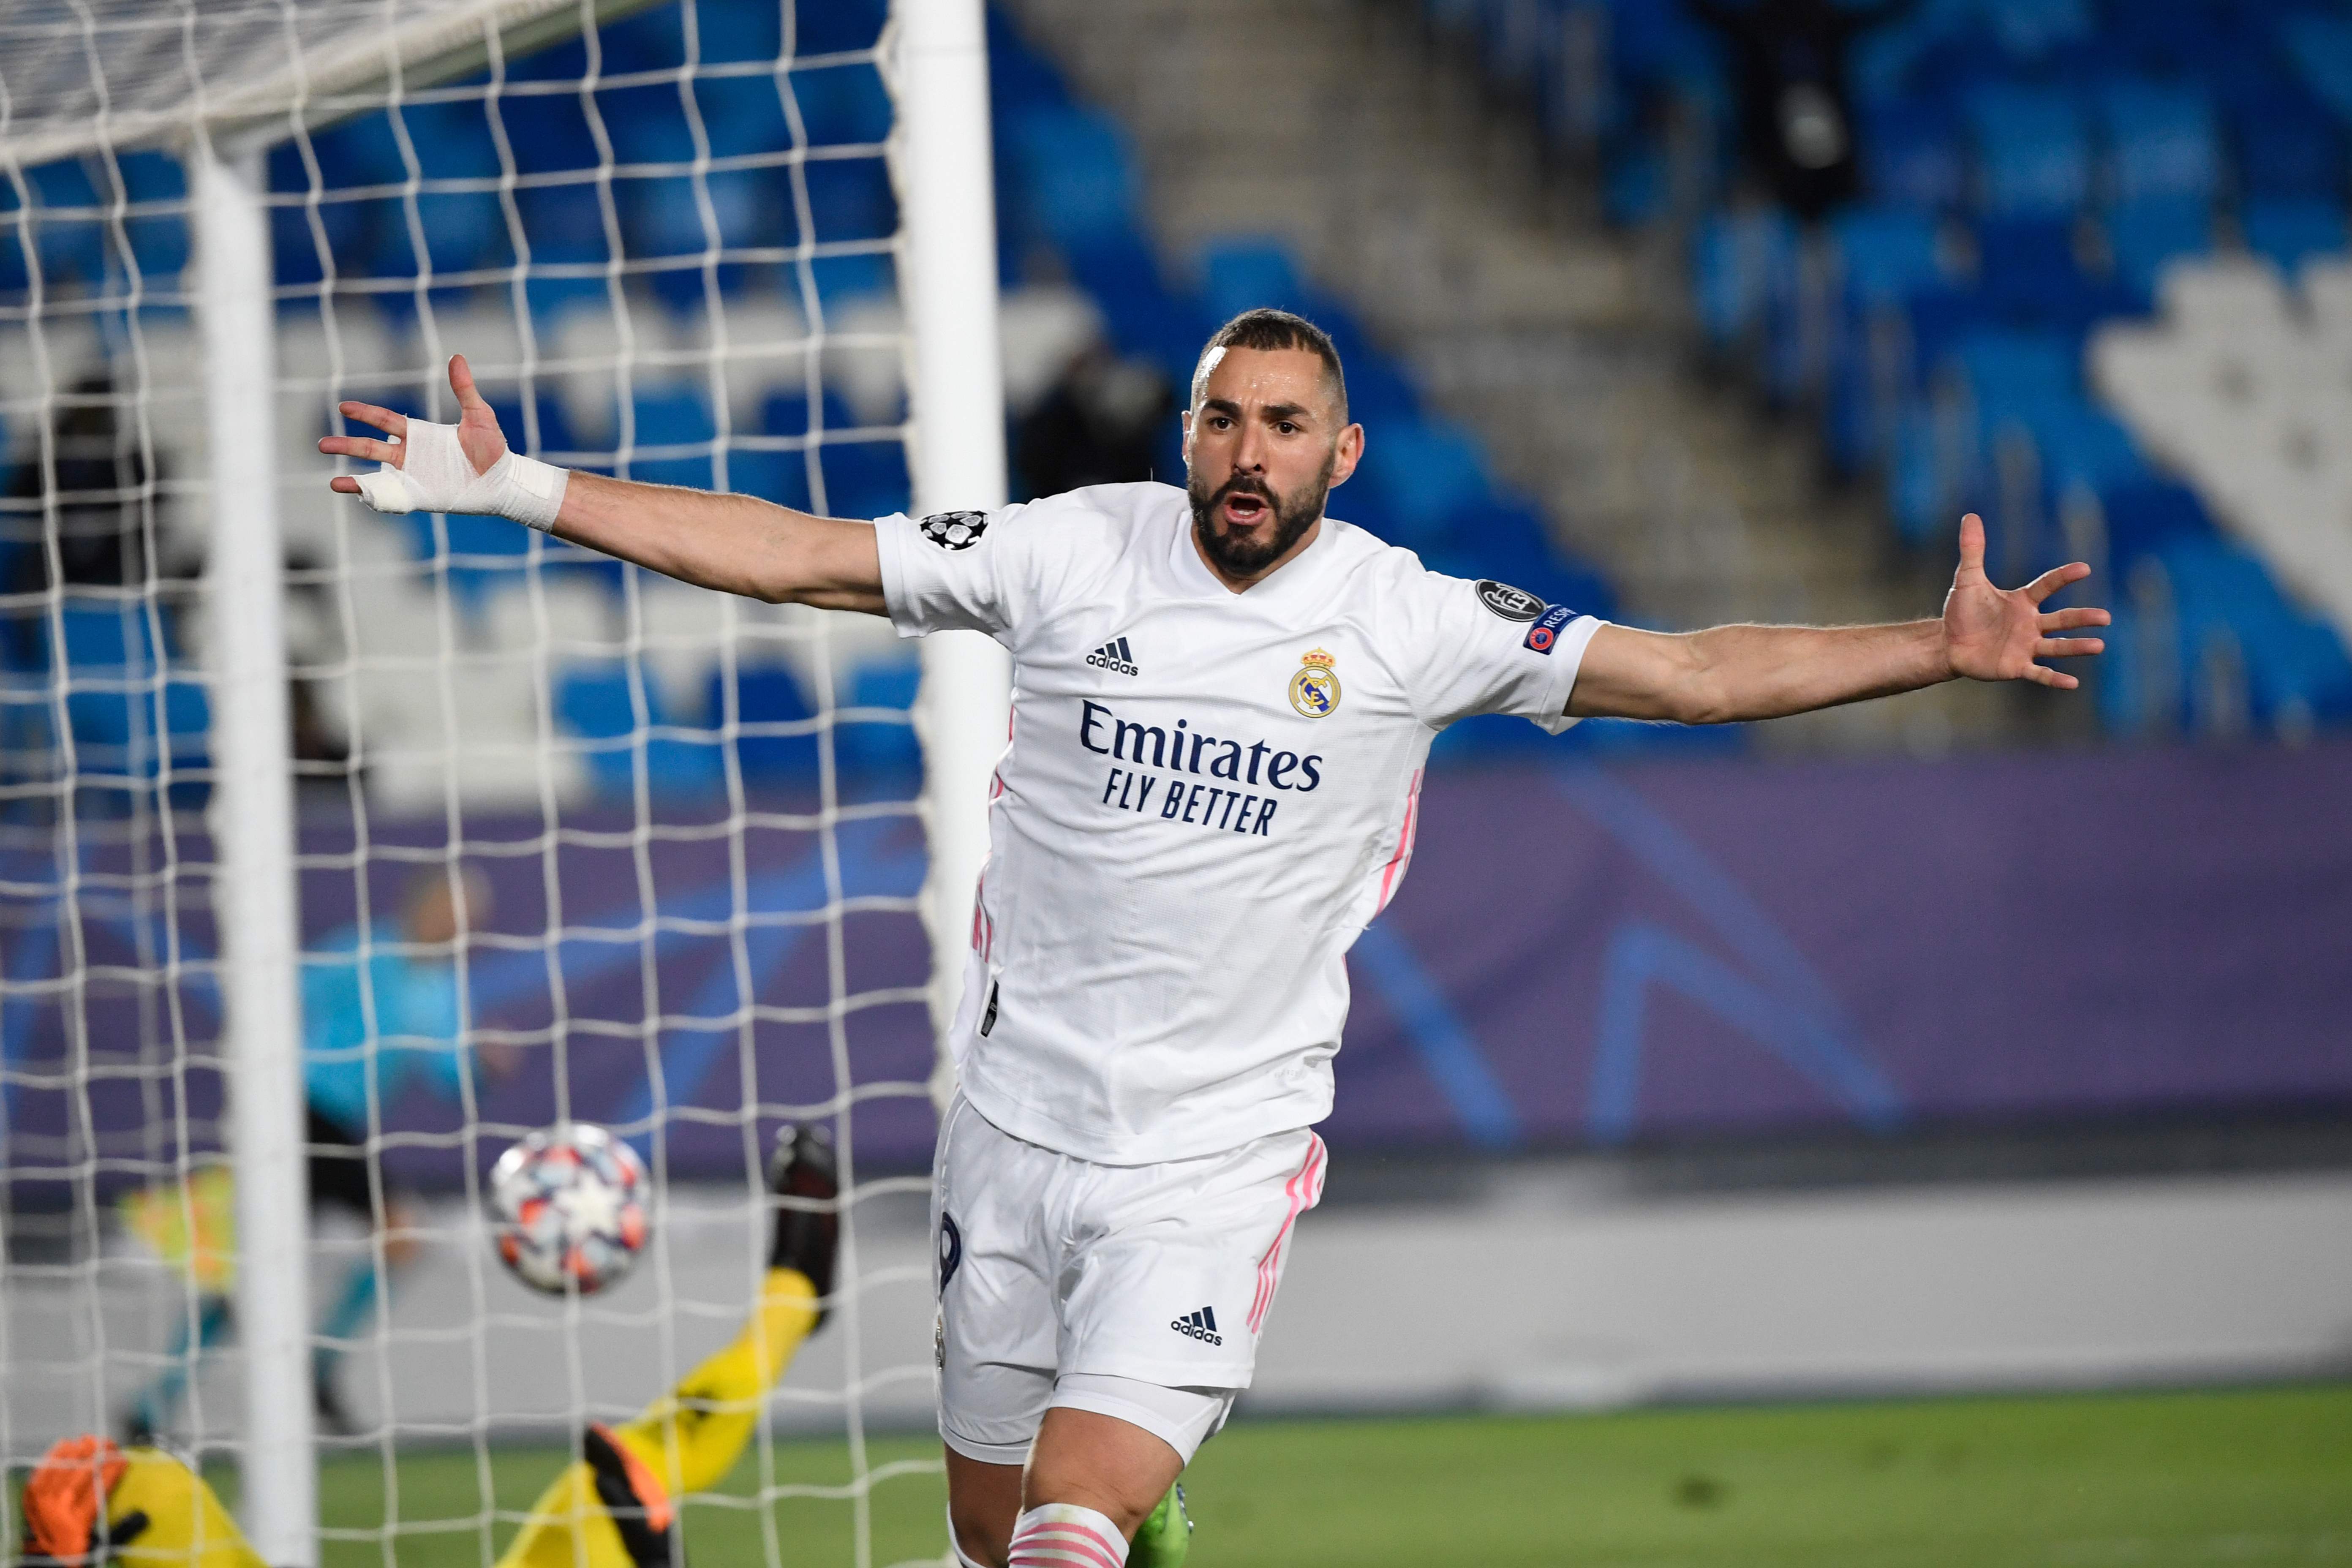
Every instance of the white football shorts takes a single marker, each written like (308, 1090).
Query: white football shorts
(1056, 1274)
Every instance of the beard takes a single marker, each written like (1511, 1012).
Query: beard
(1293, 516)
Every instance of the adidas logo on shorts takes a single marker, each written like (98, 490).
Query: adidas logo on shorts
(1113, 655)
(1201, 1325)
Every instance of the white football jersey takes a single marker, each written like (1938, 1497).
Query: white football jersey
(1207, 797)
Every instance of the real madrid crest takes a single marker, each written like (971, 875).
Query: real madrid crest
(1315, 690)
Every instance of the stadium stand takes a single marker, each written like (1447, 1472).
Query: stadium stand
(2035, 177)
(1068, 201)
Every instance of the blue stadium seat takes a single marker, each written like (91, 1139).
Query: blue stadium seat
(2143, 512)
(2031, 29)
(2146, 237)
(2227, 605)
(2162, 144)
(593, 703)
(2014, 370)
(1732, 261)
(2032, 274)
(308, 237)
(2080, 446)
(1937, 319)
(851, 198)
(159, 241)
(64, 223)
(1507, 539)
(677, 418)
(548, 133)
(2027, 265)
(1885, 254)
(2081, 456)
(838, 27)
(865, 474)
(2288, 148)
(663, 217)
(767, 694)
(2320, 46)
(1416, 478)
(751, 31)
(462, 230)
(2033, 154)
(130, 714)
(646, 122)
(2172, 39)
(842, 105)
(1075, 175)
(1911, 155)
(865, 478)
(15, 238)
(564, 227)
(653, 40)
(782, 476)
(1018, 76)
(364, 150)
(883, 746)
(2290, 232)
(1884, 257)
(1245, 274)
(1144, 317)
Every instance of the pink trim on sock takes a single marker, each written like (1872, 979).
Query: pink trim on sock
(1049, 1542)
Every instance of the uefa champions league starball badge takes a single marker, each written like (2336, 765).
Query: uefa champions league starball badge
(954, 530)
(1315, 690)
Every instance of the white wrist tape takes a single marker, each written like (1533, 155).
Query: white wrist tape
(435, 475)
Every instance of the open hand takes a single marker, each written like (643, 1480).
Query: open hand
(478, 431)
(1997, 634)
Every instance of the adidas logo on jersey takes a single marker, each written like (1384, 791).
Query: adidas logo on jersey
(1113, 655)
(1201, 1325)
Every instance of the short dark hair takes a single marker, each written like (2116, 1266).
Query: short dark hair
(1266, 328)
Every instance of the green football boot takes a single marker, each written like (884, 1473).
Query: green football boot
(1163, 1539)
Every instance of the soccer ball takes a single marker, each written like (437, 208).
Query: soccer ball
(568, 1209)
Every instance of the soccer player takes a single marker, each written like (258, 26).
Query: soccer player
(1223, 702)
(89, 1502)
(371, 1027)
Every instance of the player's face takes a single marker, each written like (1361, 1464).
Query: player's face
(1264, 445)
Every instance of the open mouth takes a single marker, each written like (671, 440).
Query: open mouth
(1244, 509)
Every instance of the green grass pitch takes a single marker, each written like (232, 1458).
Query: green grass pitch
(2246, 1478)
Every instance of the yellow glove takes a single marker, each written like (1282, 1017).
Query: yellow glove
(90, 1503)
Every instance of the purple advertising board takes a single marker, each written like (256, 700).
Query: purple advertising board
(1582, 955)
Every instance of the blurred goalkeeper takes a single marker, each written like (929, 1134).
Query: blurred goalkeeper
(90, 1503)
(1222, 702)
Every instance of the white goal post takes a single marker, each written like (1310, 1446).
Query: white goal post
(216, 84)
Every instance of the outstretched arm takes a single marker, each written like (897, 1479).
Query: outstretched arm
(738, 545)
(1730, 673)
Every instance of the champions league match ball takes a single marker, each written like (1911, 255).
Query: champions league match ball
(568, 1209)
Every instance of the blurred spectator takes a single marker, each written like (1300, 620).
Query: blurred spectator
(109, 515)
(1100, 424)
(115, 530)
(1796, 117)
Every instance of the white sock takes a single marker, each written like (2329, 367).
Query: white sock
(955, 1547)
(1064, 1535)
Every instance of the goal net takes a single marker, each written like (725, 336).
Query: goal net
(551, 839)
